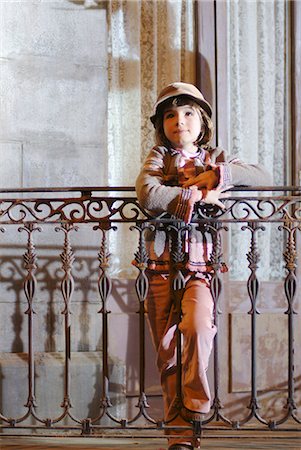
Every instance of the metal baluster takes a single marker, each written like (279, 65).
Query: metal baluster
(104, 289)
(215, 289)
(67, 288)
(5, 419)
(253, 258)
(141, 285)
(290, 286)
(177, 285)
(30, 284)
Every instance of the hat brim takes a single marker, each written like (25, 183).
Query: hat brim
(203, 104)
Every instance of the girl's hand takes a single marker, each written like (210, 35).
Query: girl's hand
(197, 194)
(207, 180)
(212, 197)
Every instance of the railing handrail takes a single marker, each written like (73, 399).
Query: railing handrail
(88, 189)
(120, 204)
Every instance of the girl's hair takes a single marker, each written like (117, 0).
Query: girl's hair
(183, 100)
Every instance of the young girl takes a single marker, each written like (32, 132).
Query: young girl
(181, 170)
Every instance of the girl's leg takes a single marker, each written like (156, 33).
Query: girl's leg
(163, 324)
(198, 334)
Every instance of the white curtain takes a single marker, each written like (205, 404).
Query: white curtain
(151, 43)
(258, 111)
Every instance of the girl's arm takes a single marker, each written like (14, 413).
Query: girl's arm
(243, 174)
(157, 198)
(230, 171)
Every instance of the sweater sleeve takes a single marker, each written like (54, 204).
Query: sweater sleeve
(158, 198)
(233, 171)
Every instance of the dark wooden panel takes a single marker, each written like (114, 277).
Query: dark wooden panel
(296, 89)
(211, 25)
(206, 51)
(222, 74)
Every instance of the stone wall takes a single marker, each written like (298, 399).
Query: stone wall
(54, 94)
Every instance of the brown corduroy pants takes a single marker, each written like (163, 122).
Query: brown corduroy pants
(198, 331)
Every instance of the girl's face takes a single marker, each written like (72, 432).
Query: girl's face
(182, 126)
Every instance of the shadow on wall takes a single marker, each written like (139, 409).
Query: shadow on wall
(272, 403)
(86, 336)
(86, 318)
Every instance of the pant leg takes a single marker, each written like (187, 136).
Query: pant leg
(163, 319)
(198, 334)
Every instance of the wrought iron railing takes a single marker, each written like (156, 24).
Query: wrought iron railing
(105, 209)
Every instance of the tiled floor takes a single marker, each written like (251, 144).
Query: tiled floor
(256, 442)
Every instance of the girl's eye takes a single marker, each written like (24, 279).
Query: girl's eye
(169, 116)
(189, 113)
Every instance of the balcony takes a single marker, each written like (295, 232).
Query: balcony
(75, 349)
